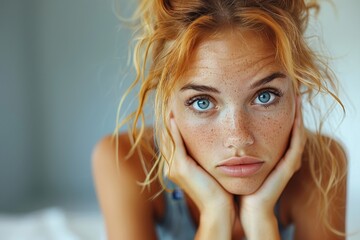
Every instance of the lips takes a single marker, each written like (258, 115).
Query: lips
(240, 166)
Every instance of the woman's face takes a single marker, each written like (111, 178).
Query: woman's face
(235, 108)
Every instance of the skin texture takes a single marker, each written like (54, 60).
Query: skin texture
(234, 121)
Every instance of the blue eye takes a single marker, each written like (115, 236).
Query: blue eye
(202, 104)
(265, 97)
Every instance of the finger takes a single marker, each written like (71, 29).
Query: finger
(298, 138)
(177, 140)
(179, 144)
(179, 163)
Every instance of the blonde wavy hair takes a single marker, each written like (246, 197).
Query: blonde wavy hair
(167, 31)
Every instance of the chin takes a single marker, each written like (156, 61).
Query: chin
(241, 186)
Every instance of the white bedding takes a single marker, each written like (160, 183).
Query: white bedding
(52, 224)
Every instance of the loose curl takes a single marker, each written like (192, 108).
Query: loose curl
(167, 32)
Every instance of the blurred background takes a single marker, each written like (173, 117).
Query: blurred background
(62, 67)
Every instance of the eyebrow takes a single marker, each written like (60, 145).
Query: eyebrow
(205, 88)
(267, 79)
(199, 88)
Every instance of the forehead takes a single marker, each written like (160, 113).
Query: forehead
(232, 52)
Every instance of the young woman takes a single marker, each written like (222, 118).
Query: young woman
(228, 156)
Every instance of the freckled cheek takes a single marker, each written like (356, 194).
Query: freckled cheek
(273, 131)
(199, 137)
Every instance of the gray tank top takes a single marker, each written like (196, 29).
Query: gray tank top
(177, 223)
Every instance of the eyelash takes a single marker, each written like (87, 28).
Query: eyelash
(278, 93)
(192, 100)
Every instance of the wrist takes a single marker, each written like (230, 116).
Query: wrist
(219, 212)
(218, 205)
(260, 226)
(216, 224)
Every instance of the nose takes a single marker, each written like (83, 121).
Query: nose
(238, 130)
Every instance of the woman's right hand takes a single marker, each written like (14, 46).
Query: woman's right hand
(216, 205)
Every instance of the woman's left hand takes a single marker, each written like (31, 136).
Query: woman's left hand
(257, 209)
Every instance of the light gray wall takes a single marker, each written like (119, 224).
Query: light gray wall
(78, 74)
(17, 162)
(61, 64)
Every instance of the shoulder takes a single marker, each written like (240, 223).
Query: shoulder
(331, 146)
(113, 158)
(115, 151)
(318, 190)
(325, 161)
(111, 152)
(124, 204)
